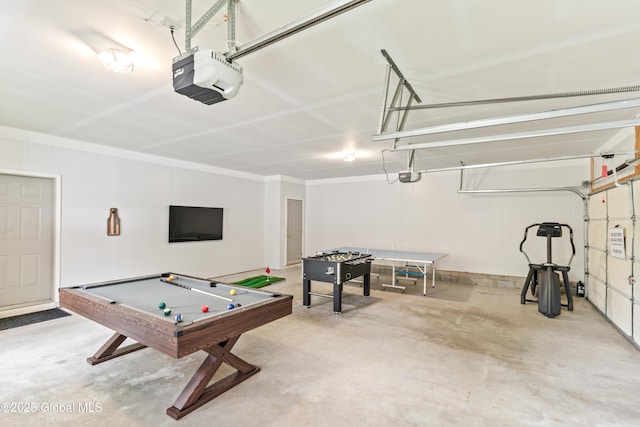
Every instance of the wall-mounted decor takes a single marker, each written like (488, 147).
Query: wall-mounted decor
(113, 223)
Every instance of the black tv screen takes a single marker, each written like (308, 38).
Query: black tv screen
(194, 223)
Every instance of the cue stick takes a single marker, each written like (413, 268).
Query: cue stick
(195, 290)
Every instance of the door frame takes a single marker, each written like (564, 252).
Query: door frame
(286, 227)
(56, 208)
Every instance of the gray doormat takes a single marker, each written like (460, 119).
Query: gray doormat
(30, 318)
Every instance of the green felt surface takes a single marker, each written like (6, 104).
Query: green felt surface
(183, 295)
(258, 281)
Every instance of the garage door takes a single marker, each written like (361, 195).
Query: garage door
(612, 243)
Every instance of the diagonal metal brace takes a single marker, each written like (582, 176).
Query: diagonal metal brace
(191, 31)
(388, 110)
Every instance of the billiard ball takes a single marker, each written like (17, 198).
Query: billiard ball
(230, 306)
(162, 305)
(170, 278)
(178, 317)
(167, 311)
(205, 308)
(232, 292)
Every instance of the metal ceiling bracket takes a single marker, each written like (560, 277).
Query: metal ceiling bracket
(506, 120)
(234, 51)
(399, 74)
(192, 30)
(231, 26)
(387, 111)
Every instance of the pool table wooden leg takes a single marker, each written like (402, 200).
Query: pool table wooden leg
(197, 393)
(110, 349)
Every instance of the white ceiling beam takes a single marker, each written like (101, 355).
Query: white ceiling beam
(521, 135)
(476, 124)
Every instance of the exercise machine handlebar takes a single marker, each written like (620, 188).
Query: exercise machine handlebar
(556, 229)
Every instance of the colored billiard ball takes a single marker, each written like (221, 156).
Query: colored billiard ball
(162, 305)
(167, 311)
(205, 308)
(232, 292)
(170, 278)
(178, 317)
(230, 306)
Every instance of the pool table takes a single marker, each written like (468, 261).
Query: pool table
(138, 308)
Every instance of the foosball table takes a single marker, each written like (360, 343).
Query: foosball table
(335, 268)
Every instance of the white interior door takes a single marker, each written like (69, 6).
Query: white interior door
(26, 240)
(294, 231)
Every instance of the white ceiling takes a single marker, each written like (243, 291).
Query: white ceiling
(309, 98)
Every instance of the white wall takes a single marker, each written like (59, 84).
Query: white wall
(94, 179)
(272, 217)
(480, 233)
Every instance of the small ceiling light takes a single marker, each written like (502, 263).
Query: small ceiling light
(349, 157)
(116, 61)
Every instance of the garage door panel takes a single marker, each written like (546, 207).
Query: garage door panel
(597, 209)
(609, 287)
(636, 322)
(619, 202)
(619, 273)
(598, 234)
(619, 311)
(597, 294)
(598, 264)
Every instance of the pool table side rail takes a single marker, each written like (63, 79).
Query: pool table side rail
(174, 340)
(203, 333)
(142, 327)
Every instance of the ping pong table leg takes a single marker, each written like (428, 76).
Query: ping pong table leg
(393, 279)
(393, 273)
(433, 275)
(424, 279)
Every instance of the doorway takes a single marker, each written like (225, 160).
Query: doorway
(294, 231)
(26, 241)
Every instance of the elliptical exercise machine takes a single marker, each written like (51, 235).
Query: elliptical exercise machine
(543, 279)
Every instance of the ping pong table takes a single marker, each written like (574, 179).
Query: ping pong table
(421, 261)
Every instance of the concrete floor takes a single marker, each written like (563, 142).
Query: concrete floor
(462, 356)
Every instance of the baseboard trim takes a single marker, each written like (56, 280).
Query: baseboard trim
(466, 278)
(17, 311)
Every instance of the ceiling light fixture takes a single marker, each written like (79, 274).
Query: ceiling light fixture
(349, 157)
(116, 60)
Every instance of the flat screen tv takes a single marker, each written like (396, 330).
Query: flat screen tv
(194, 223)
